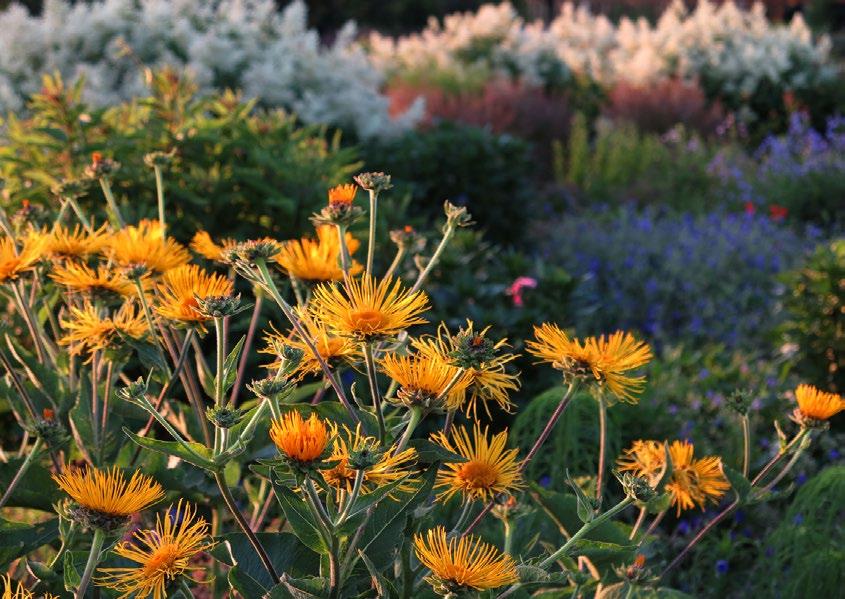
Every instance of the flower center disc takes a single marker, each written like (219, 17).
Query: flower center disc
(367, 321)
(477, 475)
(162, 560)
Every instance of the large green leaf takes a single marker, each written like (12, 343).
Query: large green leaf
(18, 539)
(36, 488)
(285, 551)
(299, 517)
(383, 531)
(198, 454)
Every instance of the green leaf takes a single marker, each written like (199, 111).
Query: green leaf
(244, 584)
(429, 452)
(601, 549)
(740, 484)
(299, 517)
(230, 369)
(71, 574)
(585, 507)
(658, 504)
(380, 584)
(383, 531)
(193, 453)
(36, 488)
(285, 551)
(18, 539)
(311, 587)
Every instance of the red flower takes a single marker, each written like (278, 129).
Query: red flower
(778, 213)
(750, 208)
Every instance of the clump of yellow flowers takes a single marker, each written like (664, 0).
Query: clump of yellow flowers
(358, 463)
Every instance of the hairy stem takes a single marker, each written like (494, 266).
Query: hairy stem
(602, 448)
(374, 392)
(91, 564)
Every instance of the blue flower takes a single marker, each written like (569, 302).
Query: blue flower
(722, 567)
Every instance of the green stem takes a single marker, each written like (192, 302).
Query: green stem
(114, 212)
(93, 560)
(462, 517)
(447, 235)
(602, 448)
(371, 244)
(160, 197)
(413, 421)
(31, 324)
(508, 547)
(564, 550)
(353, 497)
(397, 260)
(219, 380)
(345, 258)
(303, 334)
(746, 445)
(66, 541)
(374, 392)
(79, 214)
(148, 315)
(250, 335)
(30, 458)
(186, 590)
(244, 526)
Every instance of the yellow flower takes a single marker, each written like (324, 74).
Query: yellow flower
(693, 481)
(203, 245)
(391, 466)
(464, 563)
(142, 245)
(487, 380)
(88, 331)
(161, 555)
(366, 310)
(14, 261)
(606, 358)
(181, 287)
(317, 259)
(491, 468)
(332, 349)
(62, 243)
(300, 440)
(108, 492)
(13, 591)
(814, 404)
(342, 194)
(644, 458)
(422, 379)
(80, 278)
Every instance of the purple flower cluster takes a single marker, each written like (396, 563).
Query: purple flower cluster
(677, 277)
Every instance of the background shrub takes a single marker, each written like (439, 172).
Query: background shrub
(815, 303)
(469, 166)
(675, 276)
(236, 170)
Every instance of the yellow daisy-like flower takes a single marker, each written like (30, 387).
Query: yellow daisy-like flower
(79, 277)
(181, 287)
(342, 194)
(644, 458)
(332, 349)
(89, 331)
(11, 590)
(693, 481)
(298, 439)
(14, 261)
(488, 381)
(814, 404)
(317, 259)
(491, 468)
(423, 379)
(607, 359)
(366, 309)
(63, 244)
(463, 563)
(142, 245)
(204, 245)
(108, 492)
(391, 466)
(161, 555)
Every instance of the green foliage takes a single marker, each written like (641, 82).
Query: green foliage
(489, 174)
(810, 542)
(616, 162)
(815, 301)
(236, 171)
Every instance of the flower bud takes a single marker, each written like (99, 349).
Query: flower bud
(376, 181)
(219, 306)
(223, 417)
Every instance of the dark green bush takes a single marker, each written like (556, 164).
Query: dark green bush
(815, 302)
(235, 171)
(488, 173)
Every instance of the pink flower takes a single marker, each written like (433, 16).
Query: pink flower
(515, 289)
